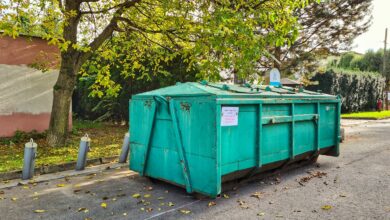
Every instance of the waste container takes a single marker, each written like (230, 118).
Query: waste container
(198, 135)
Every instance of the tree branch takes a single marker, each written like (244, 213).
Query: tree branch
(106, 33)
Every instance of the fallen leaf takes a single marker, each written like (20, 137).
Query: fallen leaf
(1, 192)
(2, 198)
(60, 185)
(39, 211)
(242, 204)
(103, 205)
(260, 214)
(82, 209)
(257, 195)
(147, 196)
(185, 211)
(76, 191)
(26, 187)
(137, 195)
(124, 214)
(149, 209)
(113, 199)
(149, 188)
(171, 204)
(35, 198)
(225, 196)
(326, 207)
(14, 199)
(146, 203)
(162, 203)
(142, 209)
(160, 198)
(211, 204)
(159, 209)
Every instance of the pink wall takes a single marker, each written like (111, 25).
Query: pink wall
(25, 122)
(26, 94)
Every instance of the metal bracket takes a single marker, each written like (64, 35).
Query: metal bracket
(180, 149)
(147, 145)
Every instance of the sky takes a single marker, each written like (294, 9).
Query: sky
(374, 37)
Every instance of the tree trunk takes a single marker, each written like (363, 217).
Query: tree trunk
(62, 96)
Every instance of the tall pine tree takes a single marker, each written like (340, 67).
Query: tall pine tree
(327, 27)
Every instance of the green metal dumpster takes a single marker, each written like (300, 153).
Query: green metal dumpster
(198, 135)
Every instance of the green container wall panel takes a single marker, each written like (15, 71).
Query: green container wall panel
(176, 133)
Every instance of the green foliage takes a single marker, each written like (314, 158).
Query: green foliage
(211, 35)
(359, 91)
(367, 115)
(345, 60)
(326, 27)
(106, 142)
(115, 108)
(21, 137)
(371, 61)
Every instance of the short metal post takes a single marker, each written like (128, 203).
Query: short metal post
(125, 149)
(83, 151)
(30, 150)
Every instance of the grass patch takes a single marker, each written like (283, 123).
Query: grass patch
(367, 115)
(106, 140)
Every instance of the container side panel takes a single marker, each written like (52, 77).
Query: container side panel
(307, 108)
(239, 143)
(197, 125)
(276, 142)
(196, 119)
(305, 131)
(276, 139)
(305, 139)
(140, 121)
(328, 124)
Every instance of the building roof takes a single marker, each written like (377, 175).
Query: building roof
(287, 81)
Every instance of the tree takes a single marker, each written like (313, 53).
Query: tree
(326, 27)
(215, 35)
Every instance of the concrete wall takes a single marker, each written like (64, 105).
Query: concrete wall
(26, 94)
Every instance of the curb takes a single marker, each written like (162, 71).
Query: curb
(46, 169)
(64, 174)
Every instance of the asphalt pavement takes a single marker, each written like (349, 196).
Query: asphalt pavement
(355, 185)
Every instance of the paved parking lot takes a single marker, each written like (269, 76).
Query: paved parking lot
(355, 185)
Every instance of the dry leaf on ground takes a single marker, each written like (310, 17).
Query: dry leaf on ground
(326, 207)
(185, 211)
(137, 195)
(103, 205)
(257, 195)
(39, 211)
(211, 204)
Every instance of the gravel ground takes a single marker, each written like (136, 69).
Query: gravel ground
(355, 185)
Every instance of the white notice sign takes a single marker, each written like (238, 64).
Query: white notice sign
(229, 116)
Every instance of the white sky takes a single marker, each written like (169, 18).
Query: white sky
(374, 37)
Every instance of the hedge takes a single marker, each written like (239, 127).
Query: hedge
(359, 91)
